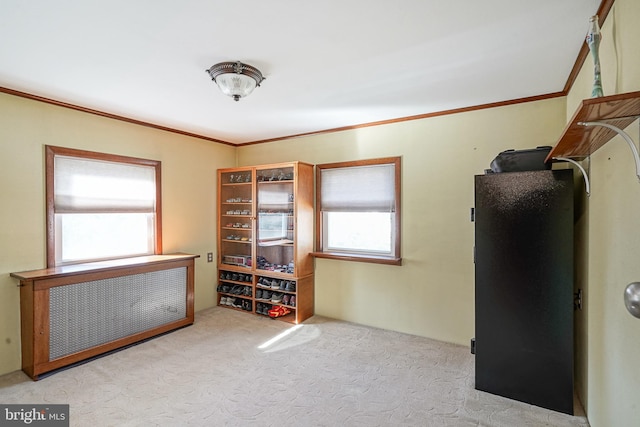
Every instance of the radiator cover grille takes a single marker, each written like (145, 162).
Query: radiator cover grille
(87, 314)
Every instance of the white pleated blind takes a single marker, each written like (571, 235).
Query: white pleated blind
(359, 189)
(88, 185)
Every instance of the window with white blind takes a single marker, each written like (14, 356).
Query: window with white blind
(358, 210)
(100, 206)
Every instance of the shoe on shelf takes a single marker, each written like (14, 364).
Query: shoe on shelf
(292, 301)
(291, 286)
(266, 294)
(276, 297)
(285, 299)
(283, 285)
(230, 301)
(265, 309)
(279, 311)
(258, 293)
(275, 284)
(223, 301)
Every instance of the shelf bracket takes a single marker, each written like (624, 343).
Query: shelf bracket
(587, 186)
(624, 135)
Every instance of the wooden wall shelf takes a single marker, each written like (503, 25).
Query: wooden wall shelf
(579, 141)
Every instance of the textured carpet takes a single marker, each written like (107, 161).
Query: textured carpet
(231, 368)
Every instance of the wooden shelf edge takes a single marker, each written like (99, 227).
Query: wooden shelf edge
(579, 141)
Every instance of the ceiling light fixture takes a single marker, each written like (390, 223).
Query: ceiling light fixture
(235, 78)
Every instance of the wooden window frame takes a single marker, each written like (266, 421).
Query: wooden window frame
(396, 258)
(52, 151)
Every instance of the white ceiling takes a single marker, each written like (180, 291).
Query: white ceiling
(328, 64)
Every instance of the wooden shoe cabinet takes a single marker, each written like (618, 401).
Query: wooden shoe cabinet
(265, 235)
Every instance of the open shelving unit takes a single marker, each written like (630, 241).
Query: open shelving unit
(265, 239)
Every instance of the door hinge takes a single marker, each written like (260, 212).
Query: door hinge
(577, 300)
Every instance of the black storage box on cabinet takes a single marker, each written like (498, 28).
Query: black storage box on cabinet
(524, 287)
(521, 160)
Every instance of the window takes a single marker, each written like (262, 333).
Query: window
(100, 206)
(358, 210)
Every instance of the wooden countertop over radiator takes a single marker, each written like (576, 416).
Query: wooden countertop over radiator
(94, 267)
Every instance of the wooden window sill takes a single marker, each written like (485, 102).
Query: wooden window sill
(358, 258)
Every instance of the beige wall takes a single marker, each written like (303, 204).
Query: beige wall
(188, 190)
(432, 293)
(608, 374)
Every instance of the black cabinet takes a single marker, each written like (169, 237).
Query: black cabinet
(524, 286)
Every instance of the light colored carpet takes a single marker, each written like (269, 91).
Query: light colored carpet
(323, 373)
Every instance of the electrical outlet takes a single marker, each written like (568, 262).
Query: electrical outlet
(210, 257)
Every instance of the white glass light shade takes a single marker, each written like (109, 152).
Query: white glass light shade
(235, 85)
(235, 79)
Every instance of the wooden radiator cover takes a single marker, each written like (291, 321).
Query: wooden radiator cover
(72, 313)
